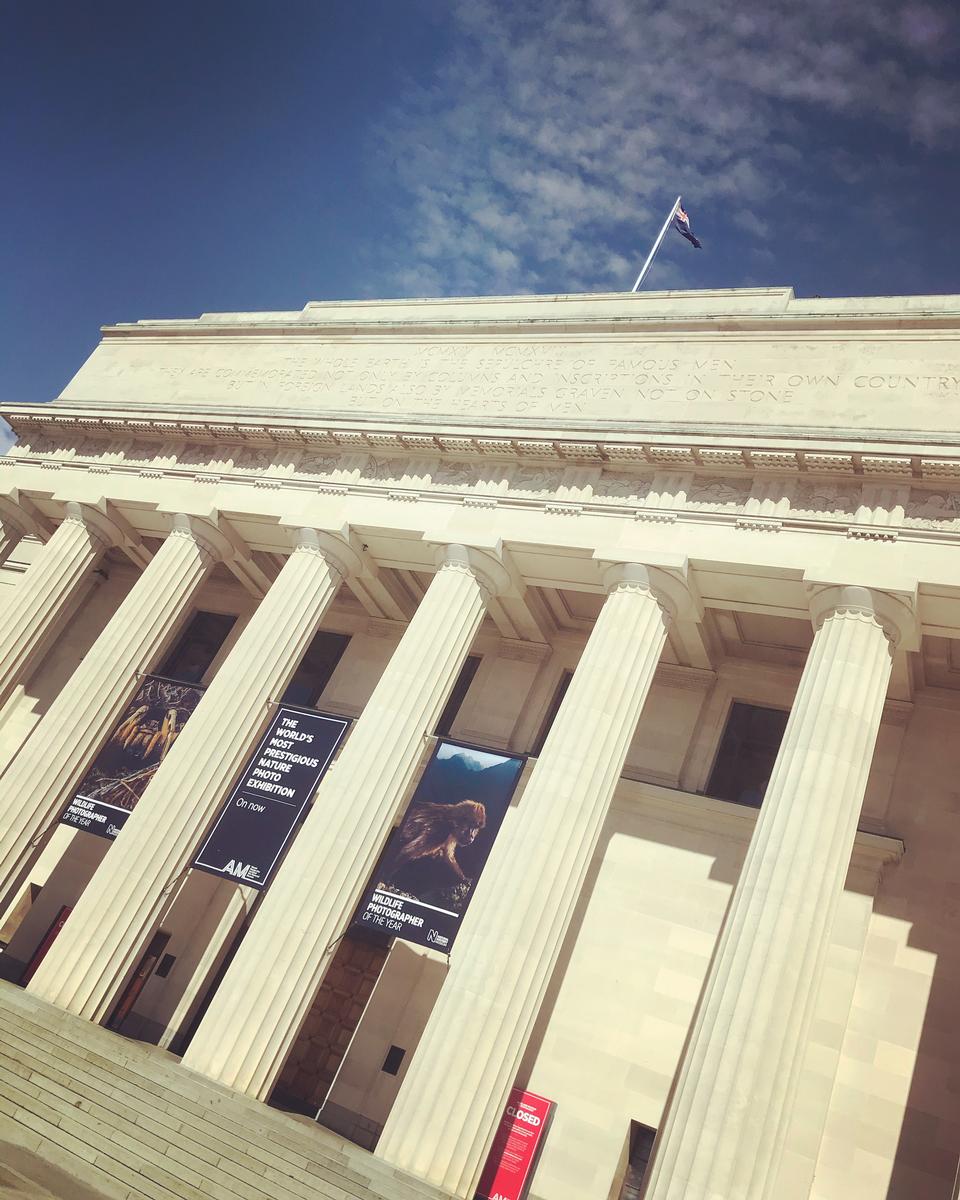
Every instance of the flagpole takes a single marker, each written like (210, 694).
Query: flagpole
(656, 246)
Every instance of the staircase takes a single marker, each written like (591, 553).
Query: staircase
(128, 1122)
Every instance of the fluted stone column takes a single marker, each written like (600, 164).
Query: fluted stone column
(50, 585)
(724, 1130)
(41, 777)
(259, 1007)
(457, 1083)
(122, 904)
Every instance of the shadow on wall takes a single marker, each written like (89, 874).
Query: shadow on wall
(924, 892)
(725, 868)
(52, 672)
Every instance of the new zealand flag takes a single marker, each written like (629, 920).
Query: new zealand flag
(681, 223)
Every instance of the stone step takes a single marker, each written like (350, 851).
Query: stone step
(119, 1090)
(128, 1120)
(160, 1074)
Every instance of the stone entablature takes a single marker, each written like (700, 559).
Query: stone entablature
(765, 489)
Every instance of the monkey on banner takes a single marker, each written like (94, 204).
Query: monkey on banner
(422, 885)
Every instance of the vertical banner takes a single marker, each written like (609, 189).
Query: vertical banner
(274, 789)
(426, 876)
(138, 745)
(516, 1147)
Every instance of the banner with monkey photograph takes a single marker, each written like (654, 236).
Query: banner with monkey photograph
(427, 873)
(138, 745)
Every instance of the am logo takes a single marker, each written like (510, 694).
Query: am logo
(241, 870)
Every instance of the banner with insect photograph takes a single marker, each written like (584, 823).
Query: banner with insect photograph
(138, 745)
(426, 875)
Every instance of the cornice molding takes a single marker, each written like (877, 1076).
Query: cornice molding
(744, 449)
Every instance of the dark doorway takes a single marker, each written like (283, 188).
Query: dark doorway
(158, 943)
(46, 942)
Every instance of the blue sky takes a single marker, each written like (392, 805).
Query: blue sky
(164, 160)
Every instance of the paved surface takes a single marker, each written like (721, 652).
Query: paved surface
(26, 1176)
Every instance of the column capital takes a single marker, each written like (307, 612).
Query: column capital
(489, 570)
(338, 552)
(91, 520)
(672, 590)
(208, 537)
(894, 612)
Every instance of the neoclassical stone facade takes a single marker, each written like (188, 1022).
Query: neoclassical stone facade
(646, 527)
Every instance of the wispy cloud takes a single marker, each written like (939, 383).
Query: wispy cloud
(556, 129)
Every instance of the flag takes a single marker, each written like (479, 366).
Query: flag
(681, 223)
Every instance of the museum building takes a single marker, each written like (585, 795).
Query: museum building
(406, 702)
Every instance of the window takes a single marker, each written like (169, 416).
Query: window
(197, 646)
(458, 695)
(638, 1157)
(748, 750)
(316, 667)
(548, 720)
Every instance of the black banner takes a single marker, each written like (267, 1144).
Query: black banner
(426, 876)
(121, 771)
(268, 801)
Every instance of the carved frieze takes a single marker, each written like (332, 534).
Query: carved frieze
(718, 494)
(932, 510)
(618, 485)
(833, 500)
(534, 481)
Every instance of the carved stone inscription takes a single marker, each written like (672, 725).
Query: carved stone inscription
(887, 385)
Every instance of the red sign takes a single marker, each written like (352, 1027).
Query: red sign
(513, 1154)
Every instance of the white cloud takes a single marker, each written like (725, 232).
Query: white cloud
(554, 134)
(7, 436)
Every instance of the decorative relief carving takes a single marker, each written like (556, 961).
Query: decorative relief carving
(385, 470)
(532, 481)
(718, 494)
(825, 500)
(194, 456)
(456, 474)
(932, 510)
(615, 484)
(250, 459)
(318, 464)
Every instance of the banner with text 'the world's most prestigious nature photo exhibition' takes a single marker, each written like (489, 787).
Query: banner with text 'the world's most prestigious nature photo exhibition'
(147, 728)
(271, 795)
(427, 873)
